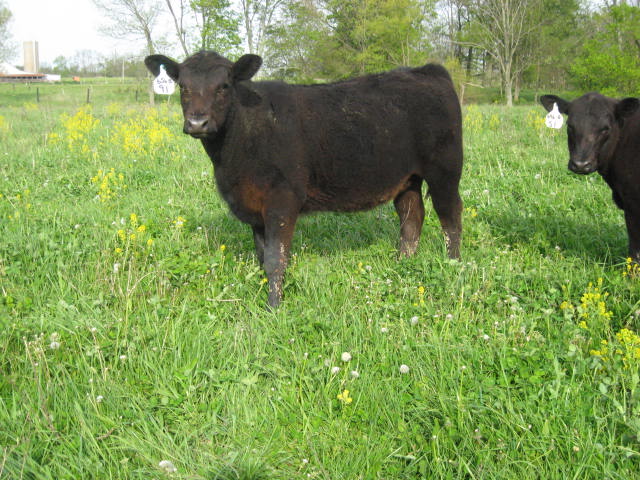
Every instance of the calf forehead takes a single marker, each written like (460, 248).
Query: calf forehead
(199, 79)
(204, 68)
(591, 107)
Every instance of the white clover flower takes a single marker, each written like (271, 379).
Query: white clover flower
(335, 370)
(384, 330)
(116, 267)
(414, 320)
(345, 357)
(486, 337)
(123, 358)
(54, 345)
(449, 316)
(99, 399)
(167, 466)
(404, 368)
(354, 374)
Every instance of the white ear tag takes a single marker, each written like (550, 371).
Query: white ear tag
(554, 118)
(163, 84)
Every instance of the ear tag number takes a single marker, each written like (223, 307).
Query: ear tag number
(163, 84)
(554, 118)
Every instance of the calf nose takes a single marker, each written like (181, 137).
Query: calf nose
(196, 124)
(582, 166)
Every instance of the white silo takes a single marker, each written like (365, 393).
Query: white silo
(31, 59)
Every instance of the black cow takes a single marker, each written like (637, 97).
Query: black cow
(282, 150)
(604, 136)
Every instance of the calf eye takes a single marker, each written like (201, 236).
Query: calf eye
(604, 130)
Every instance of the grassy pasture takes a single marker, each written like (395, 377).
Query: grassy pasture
(134, 327)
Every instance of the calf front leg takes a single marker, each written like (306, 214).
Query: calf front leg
(280, 217)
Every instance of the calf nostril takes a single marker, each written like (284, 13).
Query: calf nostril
(197, 123)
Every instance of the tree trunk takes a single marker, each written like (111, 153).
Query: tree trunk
(508, 90)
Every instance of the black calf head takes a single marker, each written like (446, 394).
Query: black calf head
(208, 83)
(593, 128)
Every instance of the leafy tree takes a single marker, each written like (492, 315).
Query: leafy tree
(217, 25)
(561, 37)
(610, 60)
(292, 43)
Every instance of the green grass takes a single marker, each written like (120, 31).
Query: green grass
(116, 354)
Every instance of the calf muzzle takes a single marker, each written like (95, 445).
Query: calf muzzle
(582, 167)
(199, 126)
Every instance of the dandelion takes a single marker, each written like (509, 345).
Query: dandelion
(384, 330)
(335, 370)
(167, 466)
(414, 320)
(54, 345)
(345, 357)
(123, 358)
(486, 337)
(355, 374)
(344, 397)
(116, 266)
(180, 222)
(404, 369)
(99, 399)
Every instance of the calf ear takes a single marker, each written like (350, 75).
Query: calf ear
(626, 107)
(547, 102)
(246, 67)
(153, 63)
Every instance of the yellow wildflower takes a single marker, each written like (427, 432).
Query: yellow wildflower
(344, 397)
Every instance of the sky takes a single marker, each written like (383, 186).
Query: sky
(61, 27)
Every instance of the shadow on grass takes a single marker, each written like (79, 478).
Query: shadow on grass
(318, 233)
(599, 241)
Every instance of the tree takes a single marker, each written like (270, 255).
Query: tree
(131, 19)
(561, 36)
(291, 44)
(7, 48)
(506, 30)
(178, 21)
(257, 17)
(217, 25)
(610, 59)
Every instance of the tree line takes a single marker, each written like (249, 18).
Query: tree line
(513, 44)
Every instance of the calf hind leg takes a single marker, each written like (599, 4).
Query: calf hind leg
(448, 205)
(410, 209)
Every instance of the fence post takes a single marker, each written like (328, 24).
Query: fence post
(38, 94)
(88, 94)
